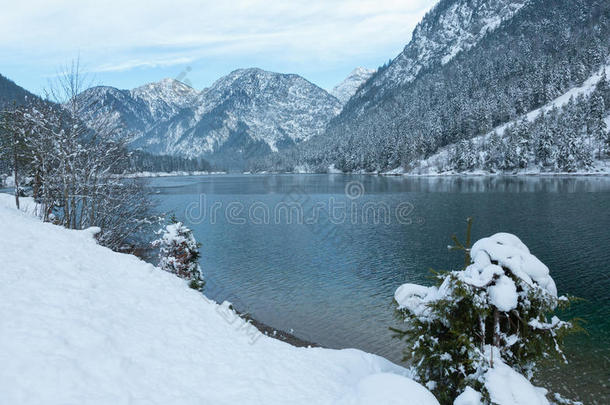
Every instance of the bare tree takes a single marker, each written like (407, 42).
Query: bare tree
(75, 162)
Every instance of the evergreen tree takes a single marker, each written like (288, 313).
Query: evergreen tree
(509, 150)
(522, 143)
(597, 125)
(492, 149)
(495, 311)
(544, 145)
(179, 253)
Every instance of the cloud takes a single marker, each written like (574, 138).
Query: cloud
(112, 32)
(139, 63)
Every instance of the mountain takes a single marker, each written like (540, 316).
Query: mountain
(135, 112)
(248, 113)
(166, 98)
(471, 66)
(12, 93)
(450, 28)
(348, 87)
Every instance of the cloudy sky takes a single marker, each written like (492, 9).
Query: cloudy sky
(128, 43)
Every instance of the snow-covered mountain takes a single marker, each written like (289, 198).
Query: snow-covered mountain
(451, 27)
(248, 113)
(471, 66)
(348, 87)
(166, 97)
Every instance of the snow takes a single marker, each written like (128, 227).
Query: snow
(468, 397)
(555, 321)
(508, 251)
(489, 258)
(386, 388)
(416, 298)
(170, 174)
(176, 173)
(507, 387)
(169, 117)
(9, 181)
(26, 204)
(166, 94)
(82, 324)
(333, 170)
(503, 294)
(482, 274)
(412, 296)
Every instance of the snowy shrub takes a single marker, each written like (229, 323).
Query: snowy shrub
(179, 253)
(492, 314)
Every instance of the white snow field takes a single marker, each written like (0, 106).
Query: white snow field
(80, 324)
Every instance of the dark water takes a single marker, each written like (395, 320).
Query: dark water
(331, 278)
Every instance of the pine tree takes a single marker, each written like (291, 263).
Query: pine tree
(603, 87)
(493, 312)
(493, 150)
(179, 253)
(596, 125)
(544, 144)
(523, 143)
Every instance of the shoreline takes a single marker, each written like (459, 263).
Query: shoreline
(276, 333)
(444, 174)
(143, 253)
(149, 175)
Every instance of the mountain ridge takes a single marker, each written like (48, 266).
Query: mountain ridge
(10, 92)
(540, 50)
(249, 112)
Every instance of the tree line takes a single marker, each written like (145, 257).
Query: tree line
(564, 139)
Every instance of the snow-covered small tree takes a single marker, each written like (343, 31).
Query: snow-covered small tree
(490, 318)
(179, 253)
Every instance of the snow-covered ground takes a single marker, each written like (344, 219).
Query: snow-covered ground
(80, 324)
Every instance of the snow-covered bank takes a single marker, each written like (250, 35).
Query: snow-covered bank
(168, 174)
(26, 204)
(81, 324)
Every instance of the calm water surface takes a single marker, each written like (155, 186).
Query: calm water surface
(329, 277)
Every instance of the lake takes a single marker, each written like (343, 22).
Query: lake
(320, 256)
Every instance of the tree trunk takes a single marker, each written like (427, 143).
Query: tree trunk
(16, 170)
(496, 340)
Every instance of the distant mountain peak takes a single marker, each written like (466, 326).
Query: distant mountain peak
(166, 96)
(348, 87)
